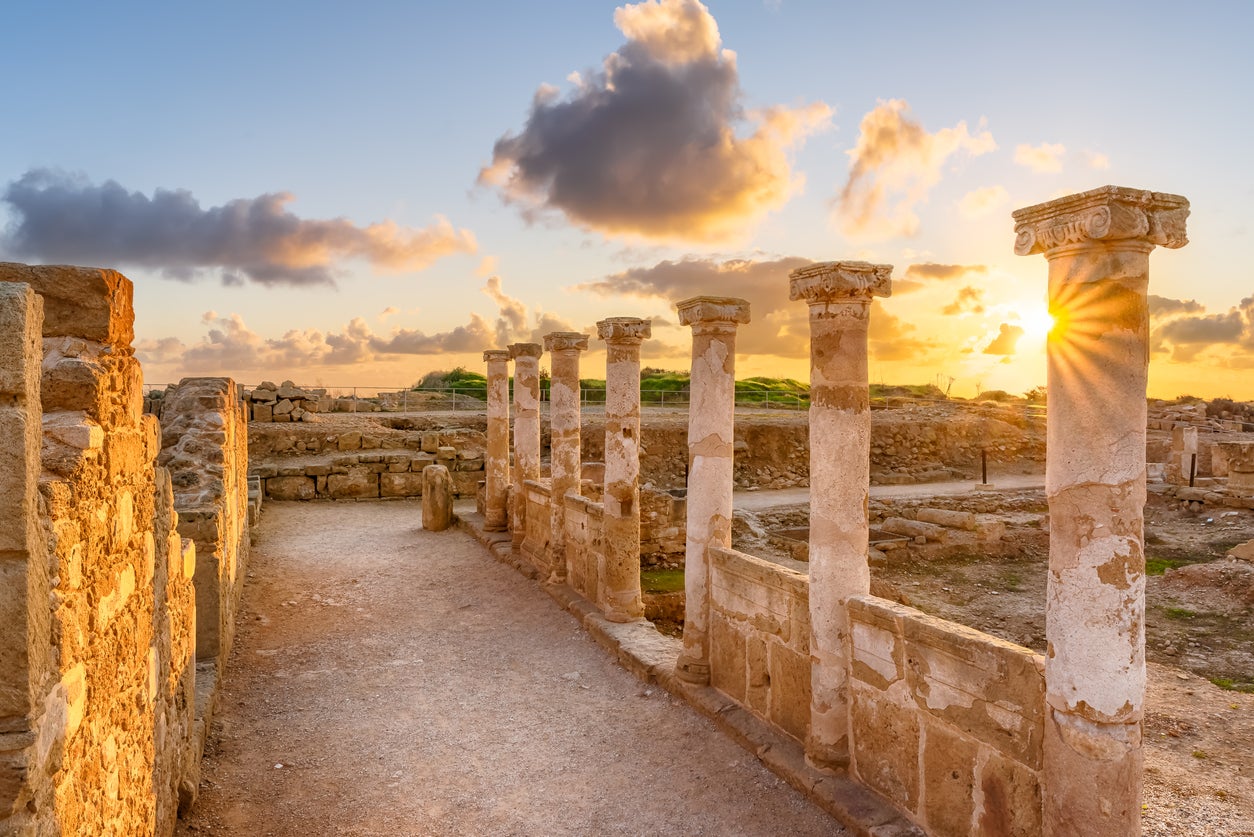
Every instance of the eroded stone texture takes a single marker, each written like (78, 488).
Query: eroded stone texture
(711, 437)
(564, 421)
(620, 573)
(526, 358)
(437, 498)
(839, 296)
(1098, 245)
(84, 303)
(1240, 460)
(496, 459)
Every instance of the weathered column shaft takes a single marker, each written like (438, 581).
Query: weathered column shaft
(496, 464)
(1098, 246)
(620, 575)
(711, 439)
(526, 430)
(564, 420)
(839, 295)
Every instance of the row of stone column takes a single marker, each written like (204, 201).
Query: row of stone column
(1097, 244)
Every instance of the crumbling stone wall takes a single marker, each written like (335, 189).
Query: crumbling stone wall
(205, 447)
(96, 609)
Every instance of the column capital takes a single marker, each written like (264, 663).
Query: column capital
(826, 282)
(517, 350)
(624, 330)
(1105, 215)
(713, 309)
(560, 341)
(490, 355)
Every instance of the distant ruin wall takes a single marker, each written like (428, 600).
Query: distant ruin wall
(96, 608)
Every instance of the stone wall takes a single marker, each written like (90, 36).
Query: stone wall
(96, 606)
(537, 523)
(760, 638)
(947, 722)
(585, 538)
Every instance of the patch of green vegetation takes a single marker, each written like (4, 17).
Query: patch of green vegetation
(1157, 566)
(1200, 754)
(460, 381)
(1179, 613)
(783, 391)
(907, 391)
(1229, 684)
(661, 581)
(1011, 582)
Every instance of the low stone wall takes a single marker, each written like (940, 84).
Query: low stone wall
(96, 602)
(947, 721)
(585, 550)
(760, 638)
(663, 527)
(538, 523)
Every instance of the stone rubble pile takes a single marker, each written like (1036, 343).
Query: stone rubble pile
(286, 402)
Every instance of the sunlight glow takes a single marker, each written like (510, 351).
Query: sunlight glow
(1035, 320)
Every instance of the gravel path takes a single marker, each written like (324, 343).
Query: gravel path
(391, 681)
(770, 498)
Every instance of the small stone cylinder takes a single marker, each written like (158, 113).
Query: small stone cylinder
(620, 574)
(437, 498)
(496, 461)
(711, 437)
(526, 430)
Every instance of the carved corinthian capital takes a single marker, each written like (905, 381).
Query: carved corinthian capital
(517, 350)
(624, 329)
(561, 341)
(825, 282)
(491, 355)
(712, 309)
(1108, 214)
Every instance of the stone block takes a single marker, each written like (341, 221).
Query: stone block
(290, 488)
(727, 658)
(886, 744)
(320, 470)
(913, 528)
(71, 383)
(349, 441)
(263, 412)
(402, 484)
(430, 441)
(284, 407)
(437, 498)
(948, 517)
(948, 779)
(21, 349)
(264, 396)
(87, 302)
(358, 483)
(1010, 799)
(790, 691)
(371, 442)
(285, 417)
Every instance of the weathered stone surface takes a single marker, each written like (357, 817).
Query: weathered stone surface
(948, 779)
(84, 302)
(948, 517)
(358, 483)
(913, 528)
(437, 498)
(887, 754)
(402, 484)
(290, 488)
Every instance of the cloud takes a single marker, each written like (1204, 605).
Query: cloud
(970, 300)
(1191, 335)
(1046, 157)
(981, 202)
(390, 311)
(1097, 160)
(1005, 341)
(932, 270)
(1162, 306)
(896, 161)
(230, 345)
(655, 144)
(889, 338)
(60, 218)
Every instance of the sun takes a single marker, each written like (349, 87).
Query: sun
(1035, 320)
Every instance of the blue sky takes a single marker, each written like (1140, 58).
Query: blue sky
(387, 112)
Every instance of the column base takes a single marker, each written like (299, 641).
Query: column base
(622, 617)
(692, 671)
(827, 758)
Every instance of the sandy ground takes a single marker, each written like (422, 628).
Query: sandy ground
(773, 498)
(391, 681)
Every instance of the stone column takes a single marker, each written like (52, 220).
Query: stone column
(564, 419)
(496, 464)
(1098, 246)
(839, 295)
(710, 440)
(526, 429)
(620, 576)
(1240, 460)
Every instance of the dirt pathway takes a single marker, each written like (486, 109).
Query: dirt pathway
(391, 681)
(762, 500)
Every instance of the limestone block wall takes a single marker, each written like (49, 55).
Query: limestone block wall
(947, 721)
(663, 527)
(205, 447)
(585, 538)
(538, 522)
(95, 665)
(760, 638)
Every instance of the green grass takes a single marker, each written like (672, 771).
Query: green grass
(1231, 685)
(1179, 613)
(1157, 566)
(662, 581)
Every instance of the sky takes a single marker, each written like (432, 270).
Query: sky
(354, 195)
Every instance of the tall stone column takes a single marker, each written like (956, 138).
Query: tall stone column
(564, 420)
(839, 295)
(710, 444)
(1098, 246)
(526, 430)
(496, 463)
(620, 577)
